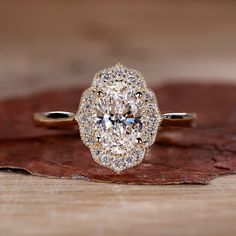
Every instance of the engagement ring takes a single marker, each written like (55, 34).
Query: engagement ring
(118, 118)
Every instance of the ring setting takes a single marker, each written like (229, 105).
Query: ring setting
(118, 118)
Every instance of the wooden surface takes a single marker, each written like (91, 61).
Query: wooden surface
(48, 44)
(39, 206)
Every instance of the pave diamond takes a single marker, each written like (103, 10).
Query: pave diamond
(118, 118)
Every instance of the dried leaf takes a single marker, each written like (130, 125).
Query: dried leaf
(180, 156)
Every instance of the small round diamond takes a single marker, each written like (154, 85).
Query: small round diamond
(129, 160)
(118, 165)
(104, 159)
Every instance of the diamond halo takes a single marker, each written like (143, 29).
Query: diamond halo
(118, 118)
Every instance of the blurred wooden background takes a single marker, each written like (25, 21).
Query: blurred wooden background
(46, 44)
(53, 44)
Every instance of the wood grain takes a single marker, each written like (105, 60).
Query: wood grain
(39, 206)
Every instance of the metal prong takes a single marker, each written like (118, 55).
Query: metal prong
(139, 140)
(138, 94)
(99, 139)
(99, 93)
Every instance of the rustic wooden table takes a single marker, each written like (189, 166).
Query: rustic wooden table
(39, 206)
(46, 45)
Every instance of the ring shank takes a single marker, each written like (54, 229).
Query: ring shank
(55, 120)
(179, 119)
(63, 119)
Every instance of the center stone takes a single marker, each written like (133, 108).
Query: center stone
(117, 120)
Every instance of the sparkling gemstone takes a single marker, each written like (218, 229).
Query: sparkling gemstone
(118, 118)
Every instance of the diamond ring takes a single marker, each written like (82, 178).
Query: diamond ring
(118, 118)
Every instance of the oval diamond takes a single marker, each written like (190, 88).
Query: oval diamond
(117, 119)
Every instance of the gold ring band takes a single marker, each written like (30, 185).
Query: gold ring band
(118, 118)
